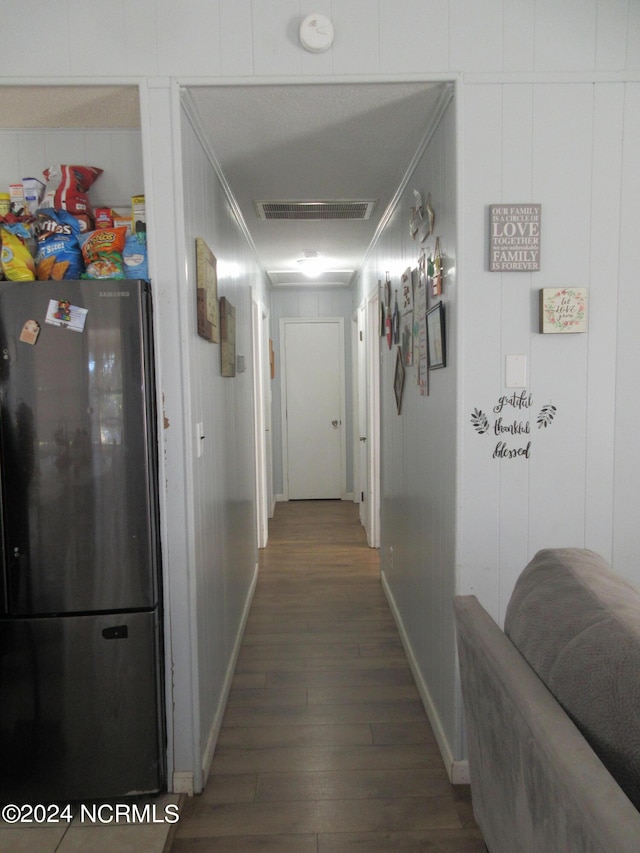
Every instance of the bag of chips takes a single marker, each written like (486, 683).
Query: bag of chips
(67, 188)
(102, 252)
(135, 257)
(17, 261)
(59, 256)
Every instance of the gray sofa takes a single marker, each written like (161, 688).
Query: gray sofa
(552, 709)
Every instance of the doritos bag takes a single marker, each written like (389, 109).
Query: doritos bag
(59, 255)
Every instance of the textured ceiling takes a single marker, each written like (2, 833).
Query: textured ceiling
(314, 142)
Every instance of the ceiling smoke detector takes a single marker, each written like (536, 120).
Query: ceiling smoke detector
(315, 210)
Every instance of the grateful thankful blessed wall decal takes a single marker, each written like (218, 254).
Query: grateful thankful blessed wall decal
(510, 419)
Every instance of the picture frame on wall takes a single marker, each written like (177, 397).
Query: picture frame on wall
(207, 290)
(398, 379)
(563, 310)
(436, 341)
(227, 338)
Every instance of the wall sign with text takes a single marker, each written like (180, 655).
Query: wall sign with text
(514, 244)
(509, 422)
(563, 310)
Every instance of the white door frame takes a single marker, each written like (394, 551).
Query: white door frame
(360, 475)
(372, 343)
(367, 458)
(283, 400)
(260, 408)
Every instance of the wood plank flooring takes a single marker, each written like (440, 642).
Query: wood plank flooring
(325, 746)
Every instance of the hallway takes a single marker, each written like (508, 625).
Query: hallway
(325, 746)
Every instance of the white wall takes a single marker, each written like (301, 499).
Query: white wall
(549, 111)
(568, 146)
(419, 447)
(223, 478)
(27, 153)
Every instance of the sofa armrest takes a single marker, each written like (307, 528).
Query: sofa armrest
(537, 785)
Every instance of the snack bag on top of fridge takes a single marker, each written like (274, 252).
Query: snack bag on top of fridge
(67, 188)
(17, 261)
(102, 252)
(59, 255)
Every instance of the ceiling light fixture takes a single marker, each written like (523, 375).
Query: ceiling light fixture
(311, 265)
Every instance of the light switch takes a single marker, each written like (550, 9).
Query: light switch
(199, 439)
(516, 371)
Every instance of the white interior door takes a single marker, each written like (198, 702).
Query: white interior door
(314, 447)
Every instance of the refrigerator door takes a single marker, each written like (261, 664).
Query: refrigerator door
(77, 447)
(80, 713)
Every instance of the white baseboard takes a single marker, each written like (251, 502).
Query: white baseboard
(347, 496)
(183, 782)
(458, 771)
(214, 731)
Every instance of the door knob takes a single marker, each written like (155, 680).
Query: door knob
(334, 423)
(363, 438)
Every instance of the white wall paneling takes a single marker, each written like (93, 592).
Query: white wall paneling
(418, 448)
(548, 108)
(224, 476)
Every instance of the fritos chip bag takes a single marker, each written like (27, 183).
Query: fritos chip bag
(59, 256)
(102, 252)
(67, 188)
(17, 261)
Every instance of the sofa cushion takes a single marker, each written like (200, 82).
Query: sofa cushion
(578, 627)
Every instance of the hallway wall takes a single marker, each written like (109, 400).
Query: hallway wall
(419, 454)
(223, 484)
(549, 110)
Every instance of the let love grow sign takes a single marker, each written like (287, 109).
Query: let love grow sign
(515, 237)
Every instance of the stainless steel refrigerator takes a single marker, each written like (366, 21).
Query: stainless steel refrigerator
(81, 660)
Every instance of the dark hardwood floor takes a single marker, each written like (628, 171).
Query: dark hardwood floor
(325, 746)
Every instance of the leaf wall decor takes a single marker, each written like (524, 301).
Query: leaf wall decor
(546, 416)
(480, 421)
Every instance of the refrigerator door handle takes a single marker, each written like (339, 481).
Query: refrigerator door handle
(117, 632)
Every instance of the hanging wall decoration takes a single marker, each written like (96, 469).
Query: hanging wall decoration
(514, 244)
(406, 296)
(421, 223)
(228, 338)
(388, 320)
(436, 342)
(509, 424)
(416, 215)
(398, 379)
(415, 328)
(406, 316)
(436, 270)
(421, 315)
(396, 321)
(563, 310)
(380, 309)
(207, 289)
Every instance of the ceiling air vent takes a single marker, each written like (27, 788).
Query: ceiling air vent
(314, 210)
